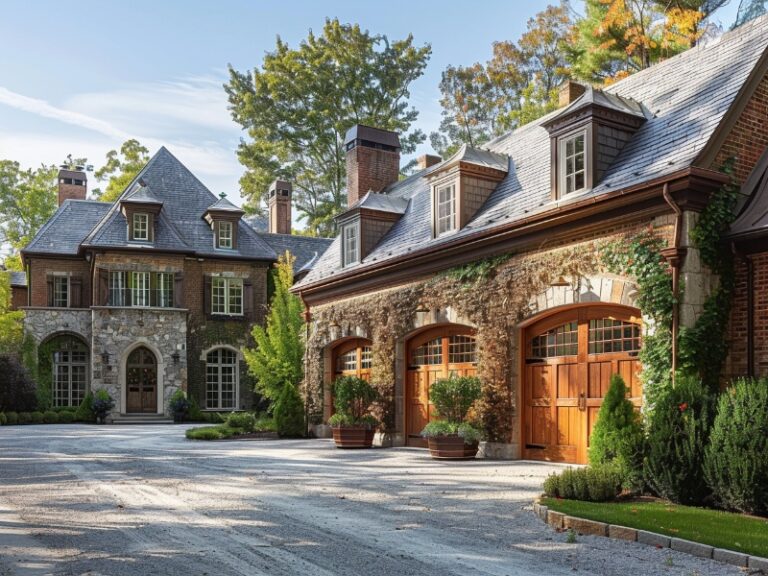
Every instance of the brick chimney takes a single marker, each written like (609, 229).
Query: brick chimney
(280, 207)
(569, 91)
(373, 160)
(73, 185)
(428, 160)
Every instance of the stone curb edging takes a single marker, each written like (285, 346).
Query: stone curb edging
(561, 521)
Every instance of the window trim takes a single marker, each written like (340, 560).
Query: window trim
(69, 364)
(351, 226)
(134, 227)
(146, 289)
(220, 237)
(436, 189)
(227, 283)
(57, 278)
(219, 365)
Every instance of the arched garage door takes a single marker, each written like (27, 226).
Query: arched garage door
(569, 359)
(432, 355)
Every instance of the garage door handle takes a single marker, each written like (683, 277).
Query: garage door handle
(582, 402)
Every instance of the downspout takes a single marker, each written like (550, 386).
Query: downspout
(750, 314)
(674, 258)
(307, 319)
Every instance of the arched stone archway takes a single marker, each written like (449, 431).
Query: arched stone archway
(159, 393)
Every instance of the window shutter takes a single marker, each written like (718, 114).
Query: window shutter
(76, 292)
(153, 288)
(207, 294)
(178, 290)
(49, 283)
(248, 299)
(103, 293)
(151, 227)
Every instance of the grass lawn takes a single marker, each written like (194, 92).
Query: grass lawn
(720, 529)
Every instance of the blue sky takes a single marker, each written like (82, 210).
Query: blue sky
(81, 77)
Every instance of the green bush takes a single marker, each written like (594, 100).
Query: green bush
(66, 417)
(618, 434)
(3, 419)
(12, 418)
(243, 420)
(51, 417)
(454, 396)
(25, 418)
(84, 412)
(17, 389)
(736, 459)
(444, 428)
(210, 432)
(352, 399)
(265, 423)
(592, 484)
(678, 431)
(195, 414)
(36, 417)
(289, 412)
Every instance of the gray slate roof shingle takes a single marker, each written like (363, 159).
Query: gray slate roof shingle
(18, 279)
(687, 96)
(306, 249)
(67, 228)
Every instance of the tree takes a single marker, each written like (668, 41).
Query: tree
(277, 356)
(749, 10)
(27, 200)
(517, 85)
(118, 172)
(297, 107)
(11, 323)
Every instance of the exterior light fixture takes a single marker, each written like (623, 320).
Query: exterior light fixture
(561, 282)
(176, 357)
(105, 358)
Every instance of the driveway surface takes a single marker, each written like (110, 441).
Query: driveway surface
(143, 500)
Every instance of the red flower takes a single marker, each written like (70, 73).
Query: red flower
(683, 407)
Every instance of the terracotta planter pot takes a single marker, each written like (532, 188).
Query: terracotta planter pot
(451, 448)
(353, 437)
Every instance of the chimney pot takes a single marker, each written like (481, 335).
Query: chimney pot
(73, 185)
(373, 160)
(570, 91)
(427, 160)
(279, 202)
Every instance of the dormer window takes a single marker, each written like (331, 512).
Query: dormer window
(573, 164)
(225, 235)
(445, 209)
(350, 248)
(140, 227)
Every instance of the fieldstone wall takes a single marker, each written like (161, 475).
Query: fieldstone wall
(41, 323)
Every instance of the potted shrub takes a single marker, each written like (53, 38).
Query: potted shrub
(102, 405)
(179, 406)
(452, 436)
(352, 424)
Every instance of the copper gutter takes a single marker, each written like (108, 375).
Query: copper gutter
(674, 256)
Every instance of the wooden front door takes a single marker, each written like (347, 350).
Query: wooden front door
(569, 360)
(433, 355)
(141, 380)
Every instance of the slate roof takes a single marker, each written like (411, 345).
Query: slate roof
(306, 249)
(139, 193)
(67, 228)
(18, 278)
(224, 205)
(479, 157)
(686, 96)
(380, 203)
(605, 99)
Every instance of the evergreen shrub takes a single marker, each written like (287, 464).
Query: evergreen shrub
(289, 412)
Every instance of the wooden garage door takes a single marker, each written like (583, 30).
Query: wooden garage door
(433, 355)
(569, 360)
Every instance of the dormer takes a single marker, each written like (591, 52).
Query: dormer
(460, 186)
(141, 209)
(364, 224)
(223, 217)
(587, 136)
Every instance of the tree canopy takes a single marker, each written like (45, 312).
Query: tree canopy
(297, 106)
(120, 168)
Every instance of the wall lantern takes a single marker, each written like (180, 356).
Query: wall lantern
(561, 282)
(105, 358)
(176, 357)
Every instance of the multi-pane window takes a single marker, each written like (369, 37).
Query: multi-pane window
(225, 235)
(61, 291)
(141, 226)
(354, 361)
(461, 349)
(429, 353)
(573, 164)
(140, 289)
(227, 296)
(366, 357)
(607, 335)
(118, 288)
(350, 244)
(164, 289)
(560, 341)
(445, 209)
(69, 376)
(347, 362)
(221, 379)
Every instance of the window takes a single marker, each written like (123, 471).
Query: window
(350, 244)
(60, 291)
(225, 235)
(118, 289)
(164, 290)
(445, 209)
(461, 350)
(140, 288)
(560, 341)
(573, 164)
(607, 335)
(140, 227)
(429, 353)
(227, 296)
(221, 379)
(69, 374)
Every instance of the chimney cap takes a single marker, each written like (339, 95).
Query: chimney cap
(280, 185)
(372, 135)
(67, 173)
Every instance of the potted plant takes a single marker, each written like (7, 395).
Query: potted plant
(102, 405)
(452, 436)
(352, 424)
(179, 406)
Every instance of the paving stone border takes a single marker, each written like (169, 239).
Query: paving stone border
(561, 521)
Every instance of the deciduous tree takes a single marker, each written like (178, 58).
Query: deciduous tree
(120, 168)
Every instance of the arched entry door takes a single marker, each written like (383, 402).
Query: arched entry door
(141, 380)
(432, 355)
(569, 358)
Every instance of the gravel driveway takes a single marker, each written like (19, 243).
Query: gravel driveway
(143, 500)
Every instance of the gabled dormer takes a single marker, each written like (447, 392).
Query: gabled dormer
(224, 217)
(460, 186)
(587, 136)
(364, 224)
(141, 208)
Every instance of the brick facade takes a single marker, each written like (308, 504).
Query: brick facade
(370, 169)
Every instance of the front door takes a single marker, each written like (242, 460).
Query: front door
(141, 380)
(569, 360)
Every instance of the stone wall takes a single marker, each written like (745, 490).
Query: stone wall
(42, 323)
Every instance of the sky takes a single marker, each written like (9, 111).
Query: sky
(81, 77)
